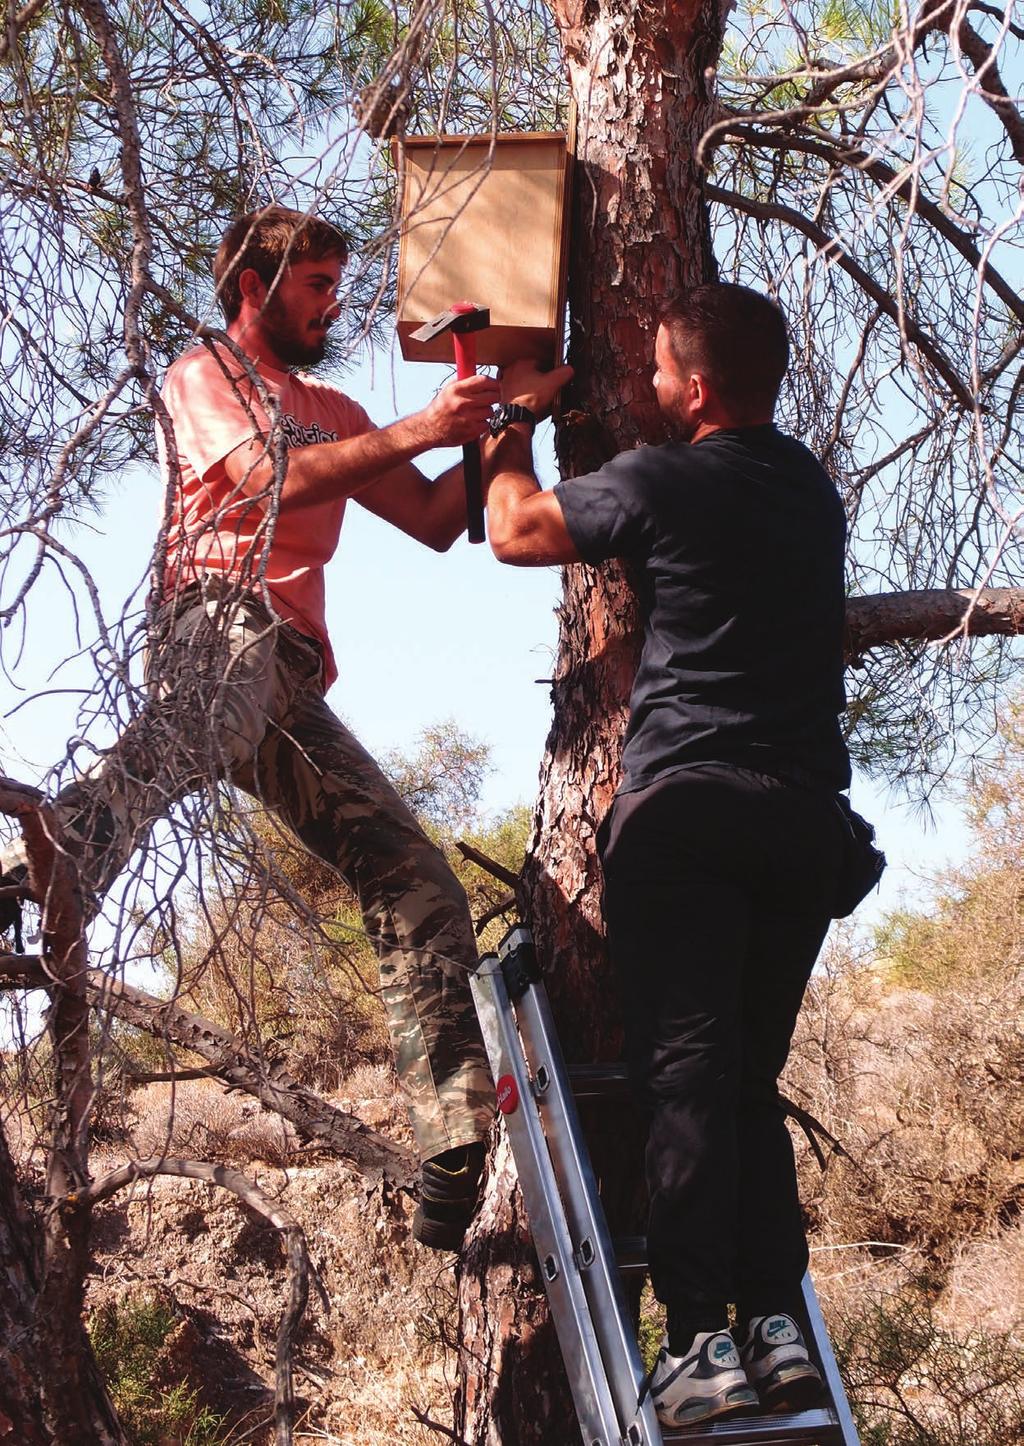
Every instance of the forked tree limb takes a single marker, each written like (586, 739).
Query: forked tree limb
(269, 1210)
(234, 1065)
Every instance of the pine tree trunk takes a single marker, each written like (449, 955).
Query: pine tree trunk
(51, 1391)
(21, 1416)
(639, 233)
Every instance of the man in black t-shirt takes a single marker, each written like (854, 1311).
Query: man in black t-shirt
(722, 849)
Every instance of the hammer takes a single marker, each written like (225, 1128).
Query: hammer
(462, 320)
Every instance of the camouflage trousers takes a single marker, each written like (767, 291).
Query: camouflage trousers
(234, 693)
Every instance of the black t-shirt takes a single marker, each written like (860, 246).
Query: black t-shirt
(739, 543)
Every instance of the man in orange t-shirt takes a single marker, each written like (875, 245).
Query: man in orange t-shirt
(260, 461)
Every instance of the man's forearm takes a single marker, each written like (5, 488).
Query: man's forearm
(328, 471)
(325, 471)
(509, 477)
(525, 524)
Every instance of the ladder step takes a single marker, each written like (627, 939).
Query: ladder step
(631, 1254)
(582, 1265)
(798, 1429)
(783, 1429)
(599, 1081)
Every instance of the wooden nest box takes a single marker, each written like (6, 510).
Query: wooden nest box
(485, 219)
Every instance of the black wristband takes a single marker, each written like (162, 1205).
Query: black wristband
(508, 413)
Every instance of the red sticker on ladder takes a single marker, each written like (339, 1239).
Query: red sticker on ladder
(508, 1094)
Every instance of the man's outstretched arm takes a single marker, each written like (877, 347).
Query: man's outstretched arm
(525, 526)
(375, 466)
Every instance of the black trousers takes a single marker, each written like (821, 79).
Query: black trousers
(718, 887)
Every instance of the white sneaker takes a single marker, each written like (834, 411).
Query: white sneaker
(774, 1356)
(708, 1381)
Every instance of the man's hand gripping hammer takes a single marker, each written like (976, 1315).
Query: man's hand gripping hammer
(463, 320)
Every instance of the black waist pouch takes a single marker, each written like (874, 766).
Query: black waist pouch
(863, 864)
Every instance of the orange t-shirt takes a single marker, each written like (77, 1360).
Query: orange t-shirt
(214, 527)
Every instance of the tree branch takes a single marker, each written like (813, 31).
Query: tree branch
(812, 1128)
(480, 924)
(993, 92)
(932, 614)
(908, 190)
(490, 866)
(315, 1118)
(16, 24)
(832, 250)
(982, 9)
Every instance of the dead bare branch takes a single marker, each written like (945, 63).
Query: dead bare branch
(236, 1066)
(906, 187)
(832, 250)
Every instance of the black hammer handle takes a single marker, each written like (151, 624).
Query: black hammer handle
(474, 492)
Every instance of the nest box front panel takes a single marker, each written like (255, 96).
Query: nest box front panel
(485, 224)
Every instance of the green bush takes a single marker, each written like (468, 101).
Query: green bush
(134, 1345)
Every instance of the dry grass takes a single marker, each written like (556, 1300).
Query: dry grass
(197, 1118)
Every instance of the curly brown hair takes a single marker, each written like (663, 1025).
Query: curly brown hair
(264, 240)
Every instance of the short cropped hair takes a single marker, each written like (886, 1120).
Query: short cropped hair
(737, 338)
(262, 240)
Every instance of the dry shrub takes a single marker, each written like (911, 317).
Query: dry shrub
(20, 1124)
(985, 1286)
(368, 1362)
(918, 1252)
(302, 990)
(924, 1090)
(197, 1118)
(914, 1381)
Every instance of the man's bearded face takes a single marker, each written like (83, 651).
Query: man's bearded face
(300, 310)
(299, 341)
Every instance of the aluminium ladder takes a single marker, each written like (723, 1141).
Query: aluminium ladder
(577, 1257)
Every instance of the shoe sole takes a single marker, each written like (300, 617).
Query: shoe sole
(704, 1410)
(792, 1388)
(438, 1234)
